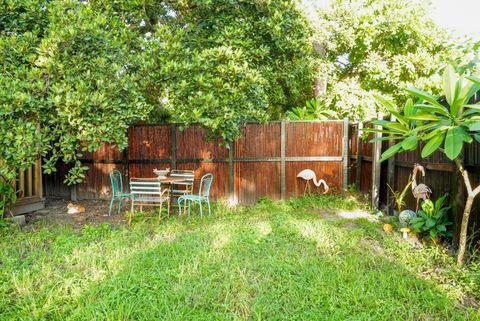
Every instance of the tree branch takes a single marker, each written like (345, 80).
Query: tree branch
(466, 179)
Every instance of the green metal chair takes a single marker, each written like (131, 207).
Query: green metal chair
(203, 196)
(117, 190)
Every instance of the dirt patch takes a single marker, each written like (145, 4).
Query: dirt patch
(96, 212)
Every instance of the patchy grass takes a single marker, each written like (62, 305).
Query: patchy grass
(274, 260)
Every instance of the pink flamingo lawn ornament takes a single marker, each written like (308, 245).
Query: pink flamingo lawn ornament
(420, 191)
(309, 175)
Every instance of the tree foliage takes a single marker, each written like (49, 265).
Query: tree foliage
(379, 47)
(77, 73)
(69, 82)
(219, 63)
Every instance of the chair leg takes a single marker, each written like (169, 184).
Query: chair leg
(209, 209)
(110, 207)
(168, 207)
(160, 212)
(119, 205)
(201, 211)
(131, 212)
(189, 205)
(179, 201)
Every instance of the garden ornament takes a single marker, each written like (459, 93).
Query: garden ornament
(420, 191)
(405, 216)
(405, 231)
(308, 175)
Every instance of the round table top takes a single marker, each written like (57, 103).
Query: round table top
(166, 180)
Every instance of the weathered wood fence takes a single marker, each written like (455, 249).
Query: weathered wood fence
(30, 190)
(263, 162)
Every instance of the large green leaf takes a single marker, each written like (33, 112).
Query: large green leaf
(391, 151)
(454, 142)
(432, 145)
(424, 95)
(424, 116)
(382, 101)
(431, 109)
(475, 126)
(409, 109)
(449, 82)
(410, 143)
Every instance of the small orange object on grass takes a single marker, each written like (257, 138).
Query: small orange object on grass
(388, 228)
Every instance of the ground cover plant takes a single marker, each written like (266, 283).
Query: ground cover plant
(275, 260)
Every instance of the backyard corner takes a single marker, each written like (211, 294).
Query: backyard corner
(274, 260)
(239, 160)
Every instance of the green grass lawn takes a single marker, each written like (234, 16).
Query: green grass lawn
(276, 261)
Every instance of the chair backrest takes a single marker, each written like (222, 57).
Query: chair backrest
(205, 184)
(187, 174)
(116, 181)
(146, 187)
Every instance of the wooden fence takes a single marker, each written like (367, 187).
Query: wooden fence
(441, 175)
(263, 162)
(30, 190)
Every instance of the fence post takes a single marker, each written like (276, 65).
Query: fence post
(390, 176)
(283, 140)
(377, 151)
(231, 177)
(345, 157)
(174, 146)
(358, 175)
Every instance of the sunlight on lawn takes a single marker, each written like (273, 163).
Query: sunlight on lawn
(273, 261)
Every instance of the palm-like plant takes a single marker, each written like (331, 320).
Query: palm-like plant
(314, 109)
(442, 126)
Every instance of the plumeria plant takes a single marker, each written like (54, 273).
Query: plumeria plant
(445, 123)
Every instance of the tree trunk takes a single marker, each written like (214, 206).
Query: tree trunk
(472, 193)
(463, 231)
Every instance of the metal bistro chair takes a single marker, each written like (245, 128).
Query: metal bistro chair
(117, 190)
(203, 196)
(148, 193)
(184, 187)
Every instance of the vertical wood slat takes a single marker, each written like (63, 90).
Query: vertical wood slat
(376, 168)
(345, 157)
(174, 146)
(358, 175)
(231, 176)
(390, 176)
(29, 188)
(283, 139)
(21, 183)
(38, 178)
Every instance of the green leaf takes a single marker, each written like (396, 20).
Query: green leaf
(424, 116)
(474, 126)
(409, 109)
(432, 145)
(410, 143)
(454, 142)
(433, 109)
(391, 151)
(425, 96)
(449, 80)
(382, 101)
(477, 137)
(441, 228)
(429, 223)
